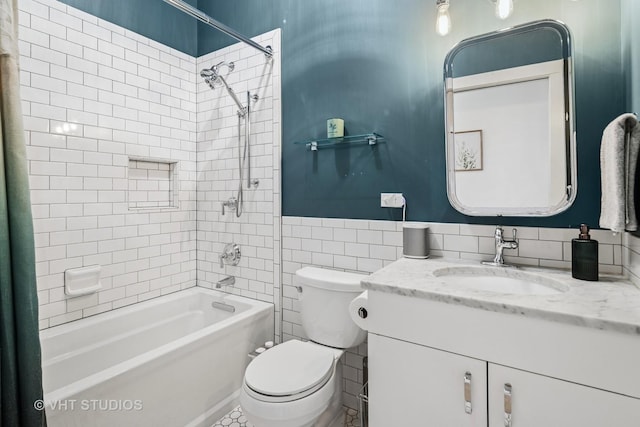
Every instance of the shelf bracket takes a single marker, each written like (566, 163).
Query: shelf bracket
(313, 146)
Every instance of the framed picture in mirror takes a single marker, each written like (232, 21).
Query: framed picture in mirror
(468, 150)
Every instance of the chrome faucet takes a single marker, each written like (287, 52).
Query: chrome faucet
(501, 245)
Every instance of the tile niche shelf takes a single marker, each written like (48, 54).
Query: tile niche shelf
(344, 141)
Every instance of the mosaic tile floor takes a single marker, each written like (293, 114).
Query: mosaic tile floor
(235, 418)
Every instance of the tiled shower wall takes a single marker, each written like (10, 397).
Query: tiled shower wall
(257, 230)
(95, 95)
(366, 246)
(98, 102)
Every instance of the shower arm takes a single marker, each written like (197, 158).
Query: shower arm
(203, 17)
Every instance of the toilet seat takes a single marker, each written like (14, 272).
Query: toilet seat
(289, 371)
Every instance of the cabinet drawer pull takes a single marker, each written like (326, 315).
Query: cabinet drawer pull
(507, 405)
(467, 392)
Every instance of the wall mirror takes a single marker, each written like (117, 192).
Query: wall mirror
(510, 146)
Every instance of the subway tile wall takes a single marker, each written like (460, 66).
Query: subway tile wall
(152, 184)
(219, 138)
(631, 257)
(94, 95)
(365, 246)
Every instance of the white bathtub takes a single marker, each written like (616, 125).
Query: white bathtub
(170, 361)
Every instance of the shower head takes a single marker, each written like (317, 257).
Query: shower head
(207, 73)
(212, 75)
(214, 79)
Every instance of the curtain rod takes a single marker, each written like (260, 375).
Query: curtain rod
(203, 17)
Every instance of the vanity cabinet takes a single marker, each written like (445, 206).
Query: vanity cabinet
(413, 385)
(537, 400)
(559, 374)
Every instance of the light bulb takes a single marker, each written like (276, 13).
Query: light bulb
(443, 21)
(504, 8)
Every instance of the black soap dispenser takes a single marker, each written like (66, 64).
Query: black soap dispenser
(584, 256)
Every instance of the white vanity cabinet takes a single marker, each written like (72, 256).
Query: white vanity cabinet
(413, 385)
(551, 374)
(537, 400)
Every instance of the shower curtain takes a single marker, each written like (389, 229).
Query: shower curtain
(20, 366)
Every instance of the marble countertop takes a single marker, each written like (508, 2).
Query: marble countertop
(612, 303)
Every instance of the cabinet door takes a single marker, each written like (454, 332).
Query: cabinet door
(538, 401)
(412, 385)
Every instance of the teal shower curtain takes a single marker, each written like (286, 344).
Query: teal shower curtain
(20, 366)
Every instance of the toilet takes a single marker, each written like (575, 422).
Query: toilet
(299, 383)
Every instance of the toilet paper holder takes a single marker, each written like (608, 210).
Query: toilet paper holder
(359, 310)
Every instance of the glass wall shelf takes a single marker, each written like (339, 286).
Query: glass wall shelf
(344, 141)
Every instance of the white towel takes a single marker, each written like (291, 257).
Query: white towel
(618, 159)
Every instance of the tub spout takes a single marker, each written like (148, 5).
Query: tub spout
(227, 281)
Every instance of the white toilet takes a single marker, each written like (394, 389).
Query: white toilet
(299, 384)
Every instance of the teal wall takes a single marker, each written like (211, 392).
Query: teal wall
(378, 65)
(631, 52)
(631, 61)
(151, 18)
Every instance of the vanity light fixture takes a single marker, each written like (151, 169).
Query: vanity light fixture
(443, 21)
(504, 8)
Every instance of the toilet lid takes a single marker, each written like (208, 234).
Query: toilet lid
(290, 368)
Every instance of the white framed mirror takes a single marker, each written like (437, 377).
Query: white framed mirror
(509, 116)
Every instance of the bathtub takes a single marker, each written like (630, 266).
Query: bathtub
(172, 361)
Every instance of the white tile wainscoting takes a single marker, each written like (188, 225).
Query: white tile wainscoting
(631, 257)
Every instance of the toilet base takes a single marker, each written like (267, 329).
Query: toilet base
(276, 414)
(332, 418)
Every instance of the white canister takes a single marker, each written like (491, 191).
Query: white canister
(335, 128)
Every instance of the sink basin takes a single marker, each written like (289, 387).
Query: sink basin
(500, 280)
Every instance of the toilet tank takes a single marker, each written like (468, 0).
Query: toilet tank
(324, 306)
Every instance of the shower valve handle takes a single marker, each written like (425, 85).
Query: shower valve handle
(230, 255)
(232, 204)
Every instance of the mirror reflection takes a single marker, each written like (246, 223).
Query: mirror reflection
(509, 119)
